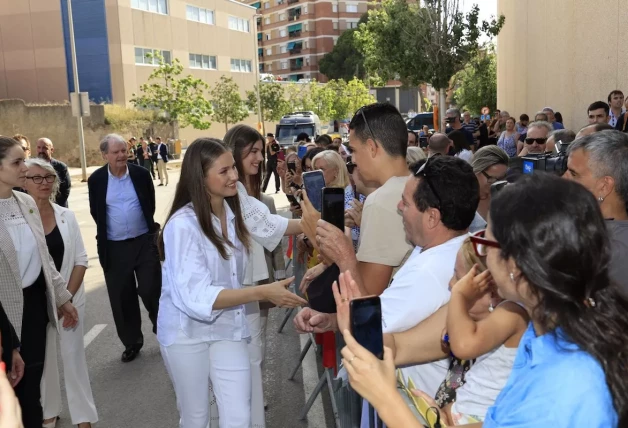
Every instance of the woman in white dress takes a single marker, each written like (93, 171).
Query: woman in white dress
(202, 326)
(65, 244)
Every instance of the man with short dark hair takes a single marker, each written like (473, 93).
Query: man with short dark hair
(598, 112)
(162, 160)
(522, 125)
(272, 148)
(413, 140)
(45, 149)
(122, 203)
(616, 104)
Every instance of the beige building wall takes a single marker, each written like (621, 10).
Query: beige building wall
(32, 54)
(564, 54)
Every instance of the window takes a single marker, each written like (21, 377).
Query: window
(198, 14)
(155, 6)
(334, 8)
(241, 65)
(282, 17)
(142, 58)
(353, 8)
(238, 24)
(335, 25)
(269, 51)
(203, 61)
(283, 49)
(352, 25)
(267, 5)
(279, 2)
(284, 65)
(305, 10)
(267, 21)
(282, 33)
(268, 36)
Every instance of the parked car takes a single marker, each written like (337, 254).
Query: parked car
(417, 122)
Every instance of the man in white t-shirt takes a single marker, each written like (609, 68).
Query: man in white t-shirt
(437, 207)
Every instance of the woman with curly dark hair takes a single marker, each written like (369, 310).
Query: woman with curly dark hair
(547, 248)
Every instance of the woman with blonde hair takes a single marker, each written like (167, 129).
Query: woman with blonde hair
(335, 173)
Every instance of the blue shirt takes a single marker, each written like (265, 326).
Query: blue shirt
(558, 125)
(553, 384)
(125, 218)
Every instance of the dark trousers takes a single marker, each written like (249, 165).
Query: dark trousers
(33, 352)
(133, 269)
(271, 167)
(148, 164)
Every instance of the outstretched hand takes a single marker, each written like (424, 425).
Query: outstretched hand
(343, 294)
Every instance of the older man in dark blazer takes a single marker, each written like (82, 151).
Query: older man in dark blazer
(122, 203)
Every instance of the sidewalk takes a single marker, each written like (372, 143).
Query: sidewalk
(76, 173)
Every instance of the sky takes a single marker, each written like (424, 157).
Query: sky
(487, 7)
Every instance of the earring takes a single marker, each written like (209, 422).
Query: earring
(512, 277)
(491, 308)
(600, 199)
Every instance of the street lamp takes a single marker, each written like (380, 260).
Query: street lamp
(257, 76)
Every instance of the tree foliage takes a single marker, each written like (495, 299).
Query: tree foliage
(422, 42)
(345, 61)
(272, 100)
(182, 100)
(228, 104)
(349, 97)
(476, 84)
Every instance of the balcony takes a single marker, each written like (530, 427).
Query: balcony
(295, 47)
(293, 1)
(294, 17)
(296, 64)
(294, 34)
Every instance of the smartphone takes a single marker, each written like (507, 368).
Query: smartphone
(333, 207)
(281, 155)
(366, 324)
(293, 201)
(314, 182)
(301, 152)
(423, 143)
(292, 167)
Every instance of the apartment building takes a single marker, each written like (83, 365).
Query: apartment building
(293, 35)
(211, 38)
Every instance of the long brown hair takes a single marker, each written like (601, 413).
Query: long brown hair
(240, 139)
(199, 158)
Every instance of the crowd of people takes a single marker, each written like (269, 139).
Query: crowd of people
(503, 302)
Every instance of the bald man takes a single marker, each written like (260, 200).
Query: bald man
(439, 144)
(45, 149)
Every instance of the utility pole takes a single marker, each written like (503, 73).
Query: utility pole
(78, 96)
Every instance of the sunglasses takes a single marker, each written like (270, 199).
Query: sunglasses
(350, 167)
(38, 179)
(481, 244)
(366, 123)
(536, 140)
(421, 172)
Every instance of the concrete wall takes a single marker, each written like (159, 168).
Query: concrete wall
(564, 54)
(57, 123)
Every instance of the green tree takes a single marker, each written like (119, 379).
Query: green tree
(422, 42)
(345, 61)
(321, 100)
(182, 100)
(298, 97)
(228, 104)
(349, 97)
(476, 83)
(272, 101)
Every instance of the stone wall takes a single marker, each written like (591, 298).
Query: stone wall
(57, 123)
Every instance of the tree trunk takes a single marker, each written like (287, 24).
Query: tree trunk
(442, 108)
(421, 99)
(226, 127)
(175, 129)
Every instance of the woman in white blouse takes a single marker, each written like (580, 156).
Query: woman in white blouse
(202, 326)
(31, 290)
(65, 245)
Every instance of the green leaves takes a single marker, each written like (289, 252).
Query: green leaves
(345, 61)
(228, 104)
(476, 84)
(179, 99)
(272, 100)
(426, 42)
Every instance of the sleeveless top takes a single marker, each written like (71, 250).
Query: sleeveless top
(508, 144)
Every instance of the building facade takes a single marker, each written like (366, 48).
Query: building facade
(293, 35)
(563, 54)
(211, 38)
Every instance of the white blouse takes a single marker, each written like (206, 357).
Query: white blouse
(23, 240)
(265, 228)
(193, 274)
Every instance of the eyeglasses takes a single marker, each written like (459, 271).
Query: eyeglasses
(421, 172)
(368, 128)
(350, 167)
(481, 244)
(536, 140)
(490, 179)
(38, 179)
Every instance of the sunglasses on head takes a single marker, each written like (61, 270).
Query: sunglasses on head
(366, 124)
(421, 172)
(536, 140)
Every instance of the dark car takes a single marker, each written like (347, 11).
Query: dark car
(417, 122)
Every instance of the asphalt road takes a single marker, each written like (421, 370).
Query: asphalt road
(139, 393)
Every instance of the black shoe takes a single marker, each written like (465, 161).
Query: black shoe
(130, 353)
(160, 185)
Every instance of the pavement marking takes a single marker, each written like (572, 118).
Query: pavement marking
(91, 335)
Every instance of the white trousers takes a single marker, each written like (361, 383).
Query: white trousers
(76, 377)
(192, 364)
(163, 172)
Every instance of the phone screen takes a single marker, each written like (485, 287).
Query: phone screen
(366, 324)
(333, 209)
(292, 167)
(301, 152)
(314, 182)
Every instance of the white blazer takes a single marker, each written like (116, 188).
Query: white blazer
(74, 253)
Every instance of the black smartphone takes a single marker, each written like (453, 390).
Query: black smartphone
(423, 143)
(293, 201)
(292, 167)
(333, 210)
(366, 324)
(314, 182)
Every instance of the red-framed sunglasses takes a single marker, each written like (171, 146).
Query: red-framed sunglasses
(481, 244)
